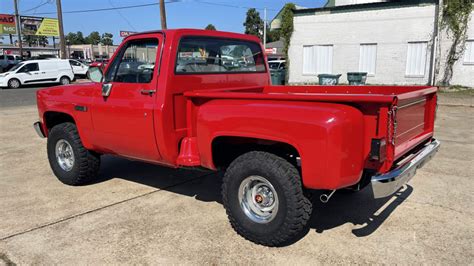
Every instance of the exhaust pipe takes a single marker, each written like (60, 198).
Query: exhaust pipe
(324, 198)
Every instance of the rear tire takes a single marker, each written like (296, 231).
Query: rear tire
(264, 200)
(14, 83)
(70, 161)
(64, 80)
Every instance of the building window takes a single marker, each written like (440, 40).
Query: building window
(469, 53)
(317, 59)
(368, 58)
(416, 59)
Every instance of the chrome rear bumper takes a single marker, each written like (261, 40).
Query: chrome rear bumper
(39, 129)
(384, 185)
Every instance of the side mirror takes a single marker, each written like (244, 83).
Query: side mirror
(95, 74)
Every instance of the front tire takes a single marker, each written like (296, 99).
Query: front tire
(70, 161)
(14, 83)
(264, 200)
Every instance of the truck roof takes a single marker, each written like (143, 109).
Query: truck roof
(200, 32)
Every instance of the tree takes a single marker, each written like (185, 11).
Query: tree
(93, 38)
(254, 23)
(107, 39)
(33, 40)
(286, 28)
(210, 27)
(75, 38)
(80, 38)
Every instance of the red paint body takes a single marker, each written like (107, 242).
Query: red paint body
(331, 127)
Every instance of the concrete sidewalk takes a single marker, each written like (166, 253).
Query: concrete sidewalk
(145, 214)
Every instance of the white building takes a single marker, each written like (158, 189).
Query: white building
(392, 41)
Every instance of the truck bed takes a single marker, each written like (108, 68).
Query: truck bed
(402, 115)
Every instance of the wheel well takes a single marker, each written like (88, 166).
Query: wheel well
(52, 119)
(226, 149)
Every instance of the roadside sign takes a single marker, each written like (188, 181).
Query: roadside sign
(270, 50)
(7, 24)
(124, 33)
(39, 26)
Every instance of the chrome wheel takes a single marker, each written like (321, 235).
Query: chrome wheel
(64, 81)
(14, 83)
(258, 199)
(64, 155)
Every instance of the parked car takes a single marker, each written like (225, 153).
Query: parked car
(277, 64)
(275, 143)
(78, 68)
(99, 62)
(8, 61)
(38, 72)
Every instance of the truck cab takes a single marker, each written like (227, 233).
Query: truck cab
(196, 98)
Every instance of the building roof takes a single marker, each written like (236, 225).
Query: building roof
(363, 7)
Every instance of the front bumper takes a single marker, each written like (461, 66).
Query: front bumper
(39, 129)
(384, 185)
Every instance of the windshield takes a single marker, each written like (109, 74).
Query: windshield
(16, 67)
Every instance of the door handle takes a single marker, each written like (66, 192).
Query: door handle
(147, 92)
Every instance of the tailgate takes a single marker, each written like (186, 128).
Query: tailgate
(413, 121)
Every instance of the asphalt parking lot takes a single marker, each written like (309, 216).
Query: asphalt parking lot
(145, 214)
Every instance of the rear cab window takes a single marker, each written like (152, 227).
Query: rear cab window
(211, 55)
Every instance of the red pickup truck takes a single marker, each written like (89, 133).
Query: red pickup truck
(194, 98)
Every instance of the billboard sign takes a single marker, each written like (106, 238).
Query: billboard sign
(124, 33)
(7, 24)
(39, 26)
(270, 50)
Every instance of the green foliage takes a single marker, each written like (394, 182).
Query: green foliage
(106, 39)
(210, 27)
(93, 38)
(455, 19)
(75, 38)
(254, 23)
(33, 40)
(286, 28)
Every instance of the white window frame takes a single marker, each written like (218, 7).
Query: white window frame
(310, 52)
(469, 53)
(424, 58)
(363, 57)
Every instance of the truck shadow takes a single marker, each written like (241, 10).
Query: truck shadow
(360, 209)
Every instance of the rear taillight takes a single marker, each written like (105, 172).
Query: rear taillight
(378, 150)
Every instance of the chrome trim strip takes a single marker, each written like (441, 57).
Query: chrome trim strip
(384, 185)
(38, 129)
(412, 103)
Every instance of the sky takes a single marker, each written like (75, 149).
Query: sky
(226, 15)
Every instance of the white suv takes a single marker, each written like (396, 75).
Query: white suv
(38, 72)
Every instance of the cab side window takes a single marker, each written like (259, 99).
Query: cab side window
(29, 68)
(135, 63)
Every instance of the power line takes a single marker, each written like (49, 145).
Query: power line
(124, 18)
(230, 5)
(108, 9)
(38, 6)
(147, 5)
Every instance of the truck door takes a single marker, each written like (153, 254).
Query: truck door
(122, 112)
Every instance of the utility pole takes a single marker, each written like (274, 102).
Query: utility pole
(163, 15)
(62, 41)
(264, 28)
(18, 28)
